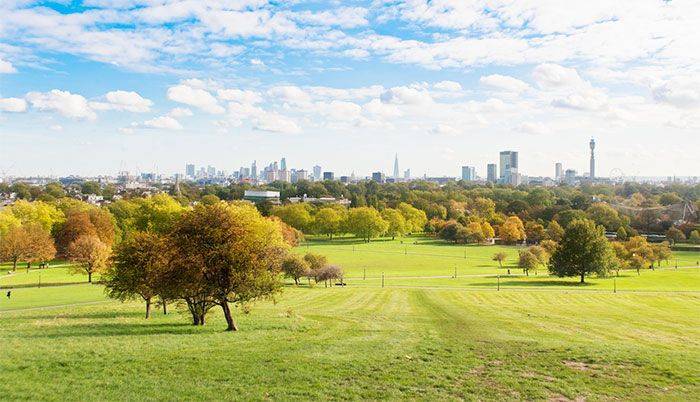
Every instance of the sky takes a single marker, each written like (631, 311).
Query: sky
(94, 87)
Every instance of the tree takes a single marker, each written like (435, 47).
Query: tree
(603, 214)
(527, 261)
(91, 255)
(554, 231)
(549, 246)
(397, 225)
(500, 257)
(85, 221)
(487, 230)
(450, 231)
(40, 246)
(37, 212)
(675, 235)
(694, 237)
(621, 234)
(316, 263)
(662, 252)
(415, 218)
(157, 213)
(512, 230)
(570, 215)
(7, 221)
(534, 232)
(583, 250)
(328, 221)
(139, 269)
(329, 273)
(295, 215)
(474, 233)
(290, 235)
(366, 223)
(229, 254)
(295, 267)
(14, 245)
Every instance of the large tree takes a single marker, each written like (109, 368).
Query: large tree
(397, 225)
(329, 221)
(90, 254)
(230, 254)
(583, 250)
(295, 267)
(140, 269)
(296, 215)
(14, 245)
(512, 230)
(366, 223)
(40, 247)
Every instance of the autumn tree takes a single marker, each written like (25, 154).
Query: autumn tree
(534, 232)
(512, 230)
(14, 245)
(139, 269)
(90, 254)
(397, 225)
(675, 235)
(583, 250)
(527, 261)
(330, 273)
(295, 267)
(500, 257)
(694, 237)
(296, 215)
(328, 221)
(81, 222)
(230, 254)
(415, 218)
(40, 246)
(316, 263)
(554, 231)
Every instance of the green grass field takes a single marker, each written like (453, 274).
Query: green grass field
(422, 336)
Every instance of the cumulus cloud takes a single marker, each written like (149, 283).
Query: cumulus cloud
(124, 101)
(275, 123)
(448, 86)
(15, 105)
(444, 129)
(239, 95)
(180, 112)
(163, 122)
(196, 97)
(289, 93)
(549, 75)
(681, 92)
(406, 96)
(533, 128)
(67, 104)
(504, 83)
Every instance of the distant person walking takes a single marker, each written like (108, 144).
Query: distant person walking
(9, 293)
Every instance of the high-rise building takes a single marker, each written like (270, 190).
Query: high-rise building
(284, 175)
(491, 173)
(317, 172)
(378, 177)
(558, 171)
(254, 170)
(211, 171)
(302, 175)
(509, 164)
(283, 164)
(570, 176)
(468, 173)
(396, 166)
(189, 170)
(592, 171)
(328, 176)
(407, 174)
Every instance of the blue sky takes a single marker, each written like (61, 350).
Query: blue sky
(98, 86)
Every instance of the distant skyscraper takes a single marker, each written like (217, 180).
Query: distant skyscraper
(254, 170)
(328, 176)
(301, 175)
(378, 177)
(284, 175)
(468, 173)
(592, 171)
(509, 163)
(396, 166)
(211, 171)
(317, 172)
(491, 173)
(558, 171)
(189, 170)
(407, 174)
(283, 164)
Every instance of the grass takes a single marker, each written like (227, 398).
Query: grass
(422, 338)
(59, 272)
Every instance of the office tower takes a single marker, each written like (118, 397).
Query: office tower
(396, 166)
(211, 171)
(317, 172)
(302, 175)
(468, 173)
(284, 176)
(407, 174)
(189, 170)
(570, 176)
(592, 171)
(378, 177)
(283, 164)
(509, 163)
(344, 179)
(558, 171)
(491, 171)
(254, 170)
(327, 175)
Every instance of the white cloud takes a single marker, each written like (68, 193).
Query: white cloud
(124, 101)
(289, 93)
(504, 83)
(533, 128)
(681, 92)
(56, 127)
(444, 129)
(6, 67)
(67, 104)
(549, 75)
(196, 97)
(239, 95)
(163, 122)
(15, 105)
(180, 112)
(448, 86)
(406, 96)
(275, 123)
(344, 17)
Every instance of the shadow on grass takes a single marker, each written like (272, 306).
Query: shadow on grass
(535, 283)
(121, 329)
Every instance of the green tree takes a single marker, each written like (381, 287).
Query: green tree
(38, 212)
(328, 221)
(621, 233)
(295, 267)
(157, 213)
(397, 225)
(554, 231)
(90, 187)
(675, 235)
(603, 214)
(297, 215)
(583, 250)
(535, 232)
(500, 257)
(90, 254)
(694, 237)
(366, 223)
(527, 261)
(415, 218)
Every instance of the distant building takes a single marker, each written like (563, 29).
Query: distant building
(558, 171)
(468, 173)
(254, 170)
(189, 170)
(509, 166)
(345, 179)
(407, 174)
(211, 171)
(396, 166)
(317, 172)
(378, 177)
(491, 173)
(284, 175)
(301, 175)
(592, 163)
(258, 196)
(570, 176)
(328, 176)
(283, 164)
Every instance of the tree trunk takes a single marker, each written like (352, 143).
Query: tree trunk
(148, 308)
(229, 317)
(89, 276)
(583, 275)
(165, 306)
(29, 265)
(14, 264)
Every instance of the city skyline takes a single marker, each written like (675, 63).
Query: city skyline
(118, 87)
